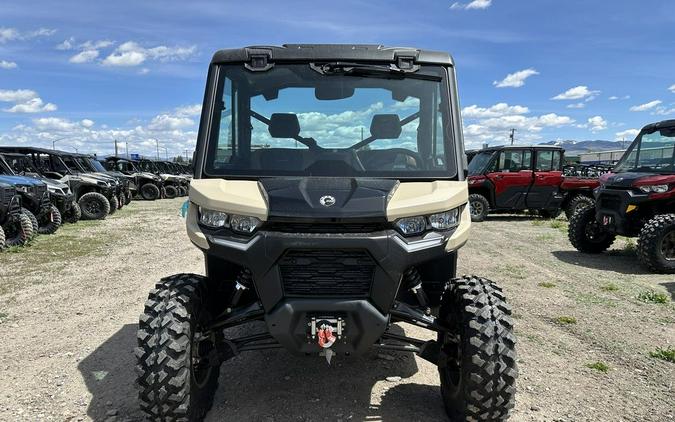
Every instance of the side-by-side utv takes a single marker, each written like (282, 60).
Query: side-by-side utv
(329, 200)
(144, 184)
(637, 199)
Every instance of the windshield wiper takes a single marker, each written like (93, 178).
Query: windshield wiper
(368, 70)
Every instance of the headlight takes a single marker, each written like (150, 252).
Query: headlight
(244, 224)
(56, 190)
(212, 218)
(654, 188)
(412, 225)
(23, 189)
(445, 220)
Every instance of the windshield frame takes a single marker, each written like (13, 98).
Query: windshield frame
(490, 161)
(449, 110)
(637, 143)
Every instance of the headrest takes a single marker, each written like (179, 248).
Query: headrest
(385, 126)
(284, 125)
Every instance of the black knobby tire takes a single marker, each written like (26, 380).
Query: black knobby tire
(19, 231)
(74, 214)
(94, 206)
(121, 201)
(2, 238)
(656, 245)
(49, 221)
(129, 197)
(171, 192)
(182, 191)
(171, 386)
(477, 364)
(579, 201)
(114, 205)
(479, 207)
(586, 234)
(33, 220)
(150, 192)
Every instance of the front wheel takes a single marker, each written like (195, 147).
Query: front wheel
(578, 202)
(18, 231)
(114, 204)
(171, 192)
(479, 207)
(94, 206)
(49, 221)
(173, 351)
(2, 238)
(656, 245)
(477, 364)
(150, 192)
(74, 214)
(33, 220)
(586, 234)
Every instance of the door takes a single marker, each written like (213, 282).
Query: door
(512, 177)
(547, 179)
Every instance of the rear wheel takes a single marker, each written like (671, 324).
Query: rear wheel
(50, 221)
(171, 192)
(74, 214)
(129, 197)
(579, 201)
(586, 234)
(150, 192)
(477, 363)
(94, 206)
(479, 207)
(176, 378)
(33, 220)
(18, 231)
(656, 245)
(114, 205)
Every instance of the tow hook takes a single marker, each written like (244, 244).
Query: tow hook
(326, 331)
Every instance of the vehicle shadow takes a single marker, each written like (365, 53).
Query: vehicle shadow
(275, 386)
(619, 261)
(670, 287)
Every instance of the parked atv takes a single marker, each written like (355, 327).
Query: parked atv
(516, 178)
(123, 182)
(179, 182)
(146, 185)
(94, 194)
(59, 193)
(170, 182)
(637, 199)
(16, 228)
(327, 237)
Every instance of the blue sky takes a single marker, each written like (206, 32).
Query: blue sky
(87, 72)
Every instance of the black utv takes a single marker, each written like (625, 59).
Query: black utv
(636, 199)
(16, 229)
(329, 199)
(94, 194)
(144, 184)
(89, 164)
(35, 198)
(179, 182)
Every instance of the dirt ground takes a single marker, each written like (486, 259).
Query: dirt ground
(69, 306)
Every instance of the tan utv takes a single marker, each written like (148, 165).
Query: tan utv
(329, 199)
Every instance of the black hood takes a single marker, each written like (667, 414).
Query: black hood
(301, 198)
(626, 179)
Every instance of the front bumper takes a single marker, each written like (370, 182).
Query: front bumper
(355, 276)
(612, 210)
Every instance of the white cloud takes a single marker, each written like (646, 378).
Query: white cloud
(4, 64)
(189, 110)
(168, 122)
(596, 124)
(86, 123)
(664, 111)
(627, 134)
(55, 124)
(85, 56)
(132, 54)
(576, 93)
(672, 88)
(613, 98)
(475, 4)
(67, 44)
(576, 105)
(497, 110)
(25, 101)
(96, 45)
(12, 34)
(515, 80)
(647, 106)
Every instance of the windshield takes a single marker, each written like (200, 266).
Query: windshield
(4, 167)
(96, 165)
(650, 153)
(72, 164)
(296, 121)
(479, 162)
(147, 166)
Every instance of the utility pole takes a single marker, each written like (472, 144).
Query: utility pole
(116, 147)
(512, 135)
(127, 148)
(186, 155)
(157, 143)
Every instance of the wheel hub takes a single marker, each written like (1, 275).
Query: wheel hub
(476, 208)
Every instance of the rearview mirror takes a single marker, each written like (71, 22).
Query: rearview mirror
(333, 91)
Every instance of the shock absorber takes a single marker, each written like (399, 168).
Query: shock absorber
(414, 280)
(241, 284)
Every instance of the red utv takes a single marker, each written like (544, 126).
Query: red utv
(516, 178)
(637, 199)
(578, 185)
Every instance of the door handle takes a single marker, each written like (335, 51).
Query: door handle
(499, 177)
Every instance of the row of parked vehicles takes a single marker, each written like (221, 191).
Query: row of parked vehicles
(42, 188)
(635, 198)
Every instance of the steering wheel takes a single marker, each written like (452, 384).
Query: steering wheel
(387, 160)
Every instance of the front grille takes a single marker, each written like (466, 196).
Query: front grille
(324, 227)
(347, 273)
(610, 202)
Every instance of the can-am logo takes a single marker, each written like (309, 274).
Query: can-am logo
(327, 201)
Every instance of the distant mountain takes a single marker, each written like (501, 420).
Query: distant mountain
(577, 147)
